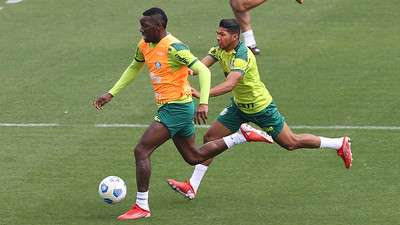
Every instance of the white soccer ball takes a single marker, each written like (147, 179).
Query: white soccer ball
(112, 189)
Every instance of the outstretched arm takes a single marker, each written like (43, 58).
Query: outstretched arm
(127, 77)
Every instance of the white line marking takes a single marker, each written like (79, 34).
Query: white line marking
(29, 125)
(13, 1)
(117, 125)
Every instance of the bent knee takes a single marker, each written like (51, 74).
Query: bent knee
(192, 161)
(238, 6)
(209, 137)
(140, 151)
(289, 145)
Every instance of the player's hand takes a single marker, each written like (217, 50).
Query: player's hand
(201, 114)
(300, 1)
(195, 93)
(102, 100)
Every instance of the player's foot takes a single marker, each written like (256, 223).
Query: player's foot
(134, 213)
(253, 135)
(184, 188)
(255, 50)
(345, 152)
(300, 1)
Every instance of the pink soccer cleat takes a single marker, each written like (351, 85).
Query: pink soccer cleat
(134, 213)
(253, 135)
(184, 188)
(345, 152)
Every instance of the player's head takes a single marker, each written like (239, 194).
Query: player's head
(228, 34)
(153, 24)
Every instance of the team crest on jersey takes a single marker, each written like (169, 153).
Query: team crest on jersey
(158, 65)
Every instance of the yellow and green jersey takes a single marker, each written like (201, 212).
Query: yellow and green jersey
(249, 94)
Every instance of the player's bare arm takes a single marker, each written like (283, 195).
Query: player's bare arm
(230, 82)
(208, 61)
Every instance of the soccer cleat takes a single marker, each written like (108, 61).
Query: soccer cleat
(255, 50)
(253, 135)
(134, 213)
(345, 152)
(184, 188)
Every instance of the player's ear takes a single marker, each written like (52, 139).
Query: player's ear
(236, 36)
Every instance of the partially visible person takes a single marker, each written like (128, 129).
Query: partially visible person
(251, 102)
(168, 61)
(241, 10)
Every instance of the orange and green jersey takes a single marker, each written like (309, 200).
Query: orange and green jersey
(168, 62)
(250, 93)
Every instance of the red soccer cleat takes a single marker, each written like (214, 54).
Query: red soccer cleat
(345, 152)
(134, 213)
(253, 135)
(184, 188)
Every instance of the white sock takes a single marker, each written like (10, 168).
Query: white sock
(249, 38)
(333, 143)
(234, 139)
(142, 200)
(197, 176)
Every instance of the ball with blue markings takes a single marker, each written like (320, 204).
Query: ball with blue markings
(112, 189)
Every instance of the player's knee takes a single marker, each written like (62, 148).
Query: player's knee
(208, 137)
(191, 160)
(140, 151)
(238, 6)
(289, 145)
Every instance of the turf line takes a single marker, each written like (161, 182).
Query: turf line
(117, 125)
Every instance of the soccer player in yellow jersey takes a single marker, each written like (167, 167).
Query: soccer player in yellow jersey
(251, 102)
(241, 10)
(168, 61)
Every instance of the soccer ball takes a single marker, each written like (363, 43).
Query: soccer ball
(112, 189)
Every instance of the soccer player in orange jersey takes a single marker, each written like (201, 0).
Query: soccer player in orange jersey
(168, 61)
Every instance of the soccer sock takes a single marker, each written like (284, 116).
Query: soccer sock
(234, 139)
(142, 200)
(249, 38)
(197, 176)
(333, 143)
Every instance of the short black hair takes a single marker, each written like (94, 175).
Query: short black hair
(231, 25)
(161, 16)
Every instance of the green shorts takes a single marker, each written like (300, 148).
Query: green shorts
(269, 119)
(177, 118)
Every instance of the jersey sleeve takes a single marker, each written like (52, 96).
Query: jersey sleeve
(213, 52)
(182, 54)
(139, 55)
(241, 60)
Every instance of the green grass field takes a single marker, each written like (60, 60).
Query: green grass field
(326, 63)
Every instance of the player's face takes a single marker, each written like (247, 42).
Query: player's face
(226, 40)
(150, 29)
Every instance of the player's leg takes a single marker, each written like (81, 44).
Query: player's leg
(271, 121)
(228, 122)
(155, 135)
(292, 141)
(189, 188)
(241, 10)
